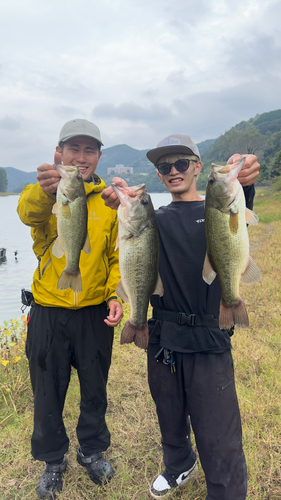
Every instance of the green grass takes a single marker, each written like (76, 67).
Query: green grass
(7, 194)
(135, 450)
(268, 203)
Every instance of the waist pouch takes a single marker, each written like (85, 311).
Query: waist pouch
(185, 319)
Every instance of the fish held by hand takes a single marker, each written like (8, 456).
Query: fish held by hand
(226, 219)
(72, 215)
(138, 260)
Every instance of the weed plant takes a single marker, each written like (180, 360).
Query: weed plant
(135, 450)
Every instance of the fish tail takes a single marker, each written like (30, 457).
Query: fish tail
(141, 337)
(132, 333)
(231, 316)
(128, 333)
(68, 280)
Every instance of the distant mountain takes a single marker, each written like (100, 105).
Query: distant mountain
(204, 145)
(260, 135)
(17, 179)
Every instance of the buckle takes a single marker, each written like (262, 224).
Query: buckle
(186, 319)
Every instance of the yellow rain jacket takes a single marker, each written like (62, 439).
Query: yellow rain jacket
(99, 269)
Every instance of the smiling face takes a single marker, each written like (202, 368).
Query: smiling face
(182, 185)
(81, 151)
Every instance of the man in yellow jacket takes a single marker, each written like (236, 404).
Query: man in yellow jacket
(67, 328)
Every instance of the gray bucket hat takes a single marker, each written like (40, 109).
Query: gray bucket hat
(77, 127)
(174, 143)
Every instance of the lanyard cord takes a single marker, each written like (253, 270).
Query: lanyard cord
(39, 258)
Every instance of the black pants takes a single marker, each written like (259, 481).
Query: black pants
(55, 342)
(203, 387)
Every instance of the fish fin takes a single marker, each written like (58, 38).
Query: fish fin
(231, 316)
(57, 249)
(128, 333)
(251, 274)
(208, 273)
(87, 246)
(141, 337)
(233, 222)
(65, 210)
(159, 289)
(72, 281)
(121, 292)
(117, 243)
(251, 217)
(55, 209)
(131, 333)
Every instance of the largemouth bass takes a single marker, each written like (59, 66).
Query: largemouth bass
(226, 219)
(72, 214)
(138, 260)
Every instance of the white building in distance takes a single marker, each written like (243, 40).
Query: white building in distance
(120, 169)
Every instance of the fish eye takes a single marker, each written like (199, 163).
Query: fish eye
(79, 176)
(144, 202)
(211, 180)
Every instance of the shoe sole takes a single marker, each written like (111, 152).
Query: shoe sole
(191, 473)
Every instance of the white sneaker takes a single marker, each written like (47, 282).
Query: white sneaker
(166, 484)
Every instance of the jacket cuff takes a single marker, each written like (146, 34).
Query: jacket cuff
(114, 297)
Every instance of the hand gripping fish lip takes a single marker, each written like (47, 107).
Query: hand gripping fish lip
(126, 194)
(64, 169)
(232, 170)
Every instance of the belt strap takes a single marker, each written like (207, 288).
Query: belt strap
(185, 319)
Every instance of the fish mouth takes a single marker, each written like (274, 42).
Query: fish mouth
(65, 169)
(128, 194)
(231, 203)
(230, 170)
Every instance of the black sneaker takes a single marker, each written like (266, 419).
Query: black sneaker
(166, 484)
(51, 480)
(99, 469)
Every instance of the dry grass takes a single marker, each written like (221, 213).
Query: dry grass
(135, 449)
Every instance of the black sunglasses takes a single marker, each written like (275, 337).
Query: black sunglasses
(180, 165)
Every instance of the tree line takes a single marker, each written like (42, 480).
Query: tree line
(3, 180)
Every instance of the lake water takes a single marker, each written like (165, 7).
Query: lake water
(17, 271)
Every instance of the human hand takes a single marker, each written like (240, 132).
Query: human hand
(250, 170)
(48, 177)
(109, 196)
(115, 313)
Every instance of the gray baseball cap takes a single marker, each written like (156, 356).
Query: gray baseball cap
(174, 143)
(77, 127)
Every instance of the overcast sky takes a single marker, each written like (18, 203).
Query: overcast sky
(139, 69)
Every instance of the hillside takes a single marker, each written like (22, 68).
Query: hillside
(17, 179)
(260, 135)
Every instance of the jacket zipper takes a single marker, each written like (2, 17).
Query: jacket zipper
(106, 267)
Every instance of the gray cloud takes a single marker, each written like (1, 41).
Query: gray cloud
(133, 112)
(8, 123)
(203, 115)
(68, 112)
(177, 77)
(184, 15)
(261, 54)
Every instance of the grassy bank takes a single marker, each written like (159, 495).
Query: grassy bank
(7, 194)
(135, 450)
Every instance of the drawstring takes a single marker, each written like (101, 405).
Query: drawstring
(39, 258)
